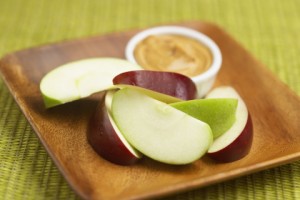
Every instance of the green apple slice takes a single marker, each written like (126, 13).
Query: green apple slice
(80, 79)
(158, 130)
(219, 114)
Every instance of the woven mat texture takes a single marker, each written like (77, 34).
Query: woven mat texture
(269, 29)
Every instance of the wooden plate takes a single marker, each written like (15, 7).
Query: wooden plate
(62, 130)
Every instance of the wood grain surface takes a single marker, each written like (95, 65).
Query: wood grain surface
(274, 108)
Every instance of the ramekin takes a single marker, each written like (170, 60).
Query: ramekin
(203, 81)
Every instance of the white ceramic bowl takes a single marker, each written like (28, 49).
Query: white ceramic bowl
(203, 81)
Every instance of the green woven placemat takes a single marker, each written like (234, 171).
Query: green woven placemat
(269, 29)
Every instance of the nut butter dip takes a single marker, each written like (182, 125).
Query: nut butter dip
(174, 53)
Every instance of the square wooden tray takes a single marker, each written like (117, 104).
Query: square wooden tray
(274, 108)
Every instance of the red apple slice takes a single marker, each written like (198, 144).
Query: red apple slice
(169, 83)
(105, 137)
(236, 142)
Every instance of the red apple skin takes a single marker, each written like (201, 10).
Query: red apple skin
(239, 148)
(170, 83)
(105, 141)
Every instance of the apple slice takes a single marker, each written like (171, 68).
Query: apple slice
(158, 130)
(80, 79)
(105, 137)
(219, 114)
(169, 83)
(236, 142)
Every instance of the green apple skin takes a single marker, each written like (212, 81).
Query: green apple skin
(51, 102)
(79, 79)
(219, 114)
(158, 130)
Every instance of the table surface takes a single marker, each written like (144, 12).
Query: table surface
(268, 29)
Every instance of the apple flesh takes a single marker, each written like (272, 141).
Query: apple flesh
(105, 137)
(158, 130)
(236, 142)
(170, 83)
(151, 93)
(218, 113)
(79, 79)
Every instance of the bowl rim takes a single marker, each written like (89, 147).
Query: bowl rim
(179, 30)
